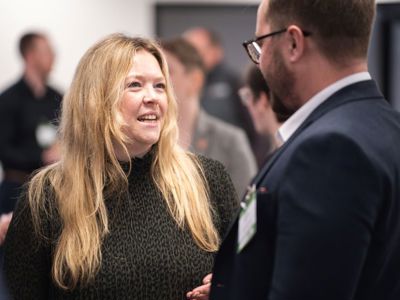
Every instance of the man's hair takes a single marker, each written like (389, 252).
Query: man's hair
(341, 28)
(185, 53)
(27, 42)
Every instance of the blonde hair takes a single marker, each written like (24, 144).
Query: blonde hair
(89, 170)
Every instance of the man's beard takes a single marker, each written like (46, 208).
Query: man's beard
(281, 83)
(281, 111)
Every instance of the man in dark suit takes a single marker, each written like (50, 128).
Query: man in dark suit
(323, 221)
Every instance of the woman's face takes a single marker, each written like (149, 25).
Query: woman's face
(144, 103)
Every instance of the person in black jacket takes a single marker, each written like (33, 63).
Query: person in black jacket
(28, 113)
(322, 218)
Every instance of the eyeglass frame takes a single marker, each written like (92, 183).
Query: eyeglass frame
(255, 40)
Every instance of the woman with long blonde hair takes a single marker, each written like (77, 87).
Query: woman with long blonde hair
(125, 213)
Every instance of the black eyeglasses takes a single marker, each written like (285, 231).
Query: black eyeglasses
(253, 49)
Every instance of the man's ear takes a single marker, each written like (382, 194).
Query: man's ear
(295, 43)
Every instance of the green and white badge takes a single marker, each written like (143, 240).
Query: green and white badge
(247, 219)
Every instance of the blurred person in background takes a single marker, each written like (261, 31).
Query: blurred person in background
(219, 95)
(255, 95)
(126, 213)
(198, 130)
(28, 110)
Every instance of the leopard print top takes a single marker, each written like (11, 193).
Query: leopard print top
(145, 255)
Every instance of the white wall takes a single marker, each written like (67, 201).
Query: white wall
(72, 25)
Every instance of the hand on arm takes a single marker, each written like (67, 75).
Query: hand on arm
(201, 292)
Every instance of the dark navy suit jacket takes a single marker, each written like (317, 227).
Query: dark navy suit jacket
(328, 210)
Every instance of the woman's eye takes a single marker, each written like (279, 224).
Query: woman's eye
(134, 84)
(160, 85)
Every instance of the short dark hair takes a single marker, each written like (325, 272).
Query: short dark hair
(185, 53)
(341, 28)
(27, 41)
(255, 81)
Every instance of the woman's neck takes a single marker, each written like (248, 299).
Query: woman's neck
(138, 152)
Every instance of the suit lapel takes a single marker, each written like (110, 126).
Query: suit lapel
(359, 91)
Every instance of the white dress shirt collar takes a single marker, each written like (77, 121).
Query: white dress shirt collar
(294, 122)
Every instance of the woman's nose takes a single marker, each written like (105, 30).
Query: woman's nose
(150, 95)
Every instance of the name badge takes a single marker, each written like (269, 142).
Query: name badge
(46, 134)
(247, 219)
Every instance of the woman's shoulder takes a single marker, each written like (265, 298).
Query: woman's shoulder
(223, 195)
(37, 203)
(42, 183)
(209, 164)
(213, 169)
(216, 175)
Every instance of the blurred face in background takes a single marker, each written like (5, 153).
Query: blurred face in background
(255, 106)
(144, 103)
(211, 54)
(41, 57)
(179, 77)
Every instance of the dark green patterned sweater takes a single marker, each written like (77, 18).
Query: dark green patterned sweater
(145, 256)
